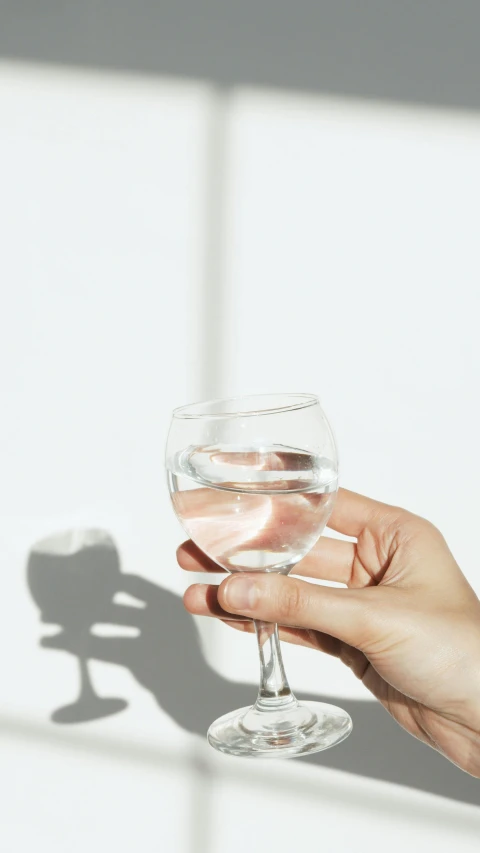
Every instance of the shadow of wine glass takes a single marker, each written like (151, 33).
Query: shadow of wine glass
(166, 658)
(72, 577)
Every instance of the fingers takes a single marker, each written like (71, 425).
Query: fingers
(202, 599)
(295, 636)
(192, 559)
(352, 512)
(342, 613)
(330, 559)
(353, 658)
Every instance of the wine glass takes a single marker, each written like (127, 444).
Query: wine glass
(73, 577)
(253, 481)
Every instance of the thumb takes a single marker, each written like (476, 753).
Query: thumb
(341, 613)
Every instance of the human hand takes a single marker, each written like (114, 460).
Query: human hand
(407, 625)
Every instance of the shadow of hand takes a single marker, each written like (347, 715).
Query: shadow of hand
(166, 658)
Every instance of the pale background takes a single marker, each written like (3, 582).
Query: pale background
(224, 199)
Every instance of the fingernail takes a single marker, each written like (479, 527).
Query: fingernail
(241, 593)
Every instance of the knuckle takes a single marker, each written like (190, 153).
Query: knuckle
(416, 523)
(403, 526)
(417, 527)
(399, 519)
(431, 529)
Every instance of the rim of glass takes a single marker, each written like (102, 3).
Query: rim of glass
(201, 408)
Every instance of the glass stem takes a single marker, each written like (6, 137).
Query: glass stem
(274, 692)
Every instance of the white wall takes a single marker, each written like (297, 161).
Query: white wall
(334, 243)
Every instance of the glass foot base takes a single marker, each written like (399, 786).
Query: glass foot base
(299, 729)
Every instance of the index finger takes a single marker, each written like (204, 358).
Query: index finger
(352, 512)
(192, 559)
(329, 560)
